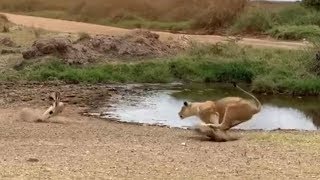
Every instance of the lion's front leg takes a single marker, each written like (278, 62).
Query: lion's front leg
(227, 119)
(214, 118)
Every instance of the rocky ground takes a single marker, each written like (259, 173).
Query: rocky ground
(88, 148)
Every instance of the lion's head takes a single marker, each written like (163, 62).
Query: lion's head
(186, 110)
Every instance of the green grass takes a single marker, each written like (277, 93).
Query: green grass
(267, 70)
(145, 72)
(291, 23)
(253, 21)
(297, 15)
(295, 32)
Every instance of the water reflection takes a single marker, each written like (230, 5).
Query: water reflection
(161, 107)
(272, 117)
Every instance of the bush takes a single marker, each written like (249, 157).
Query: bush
(83, 36)
(312, 3)
(315, 63)
(3, 19)
(293, 32)
(253, 21)
(219, 14)
(5, 29)
(298, 15)
(4, 24)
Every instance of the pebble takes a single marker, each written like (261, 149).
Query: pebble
(33, 160)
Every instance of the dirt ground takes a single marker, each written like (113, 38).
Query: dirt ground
(88, 148)
(76, 27)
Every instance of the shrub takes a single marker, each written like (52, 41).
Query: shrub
(5, 29)
(253, 21)
(293, 32)
(298, 15)
(312, 3)
(4, 24)
(83, 36)
(37, 32)
(3, 19)
(219, 14)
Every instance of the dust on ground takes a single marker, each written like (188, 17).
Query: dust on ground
(87, 147)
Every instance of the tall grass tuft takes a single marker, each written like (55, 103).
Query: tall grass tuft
(3, 19)
(253, 21)
(219, 14)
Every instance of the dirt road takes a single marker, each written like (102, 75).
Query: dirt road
(74, 27)
(88, 148)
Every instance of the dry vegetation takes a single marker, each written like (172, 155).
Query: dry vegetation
(4, 24)
(165, 10)
(165, 14)
(236, 17)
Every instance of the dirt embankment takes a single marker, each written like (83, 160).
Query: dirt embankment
(136, 44)
(87, 148)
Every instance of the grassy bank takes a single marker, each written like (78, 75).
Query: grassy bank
(290, 21)
(268, 70)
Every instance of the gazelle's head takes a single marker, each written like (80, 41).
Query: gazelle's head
(56, 107)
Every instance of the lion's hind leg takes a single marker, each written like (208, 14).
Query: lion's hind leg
(228, 117)
(215, 135)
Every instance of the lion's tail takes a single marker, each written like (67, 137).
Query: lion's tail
(216, 135)
(251, 95)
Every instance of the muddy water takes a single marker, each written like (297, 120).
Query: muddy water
(155, 104)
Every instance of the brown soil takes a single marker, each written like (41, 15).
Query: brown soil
(135, 44)
(89, 148)
(78, 27)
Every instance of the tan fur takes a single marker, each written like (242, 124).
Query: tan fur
(34, 115)
(223, 114)
(56, 108)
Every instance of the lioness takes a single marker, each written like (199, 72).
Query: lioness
(222, 114)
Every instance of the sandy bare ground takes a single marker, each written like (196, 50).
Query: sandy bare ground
(75, 27)
(88, 148)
